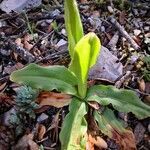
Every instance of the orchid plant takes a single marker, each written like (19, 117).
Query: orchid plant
(83, 50)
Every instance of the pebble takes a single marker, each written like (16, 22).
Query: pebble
(49, 21)
(147, 22)
(110, 9)
(123, 116)
(102, 29)
(137, 32)
(3, 23)
(95, 22)
(139, 132)
(42, 118)
(5, 52)
(63, 31)
(19, 5)
(134, 58)
(55, 13)
(147, 28)
(61, 42)
(135, 11)
(84, 7)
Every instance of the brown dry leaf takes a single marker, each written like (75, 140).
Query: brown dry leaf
(137, 40)
(18, 42)
(6, 100)
(7, 137)
(141, 85)
(27, 38)
(15, 56)
(18, 66)
(41, 130)
(53, 99)
(36, 51)
(10, 69)
(91, 83)
(122, 17)
(26, 143)
(27, 45)
(126, 140)
(95, 141)
(147, 100)
(55, 127)
(2, 86)
(41, 109)
(24, 42)
(89, 144)
(93, 135)
(94, 105)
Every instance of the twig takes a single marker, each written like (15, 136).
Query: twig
(120, 82)
(46, 15)
(42, 38)
(52, 56)
(29, 26)
(49, 148)
(136, 90)
(112, 43)
(56, 2)
(124, 33)
(4, 79)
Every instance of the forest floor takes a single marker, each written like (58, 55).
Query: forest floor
(38, 35)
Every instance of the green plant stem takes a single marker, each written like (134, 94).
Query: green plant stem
(29, 26)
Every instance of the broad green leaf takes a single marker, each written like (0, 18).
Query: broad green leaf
(74, 126)
(121, 99)
(85, 56)
(73, 24)
(113, 128)
(46, 78)
(108, 121)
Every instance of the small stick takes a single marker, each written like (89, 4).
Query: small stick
(112, 43)
(4, 79)
(42, 38)
(120, 82)
(136, 90)
(52, 56)
(56, 2)
(124, 33)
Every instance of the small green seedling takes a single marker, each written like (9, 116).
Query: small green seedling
(84, 51)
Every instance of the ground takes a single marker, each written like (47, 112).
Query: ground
(38, 35)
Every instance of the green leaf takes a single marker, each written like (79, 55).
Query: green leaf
(108, 121)
(121, 99)
(46, 78)
(74, 126)
(85, 56)
(73, 24)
